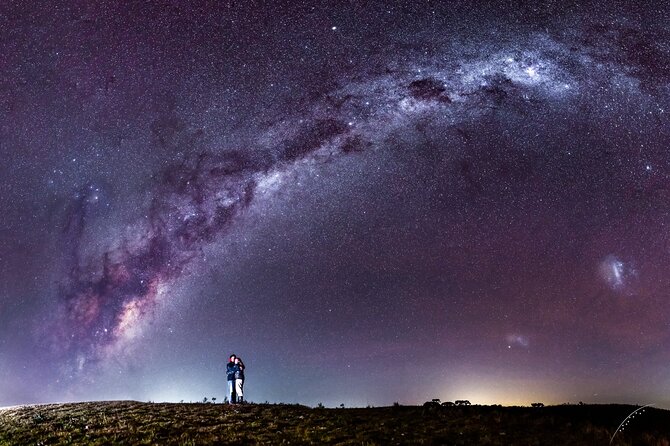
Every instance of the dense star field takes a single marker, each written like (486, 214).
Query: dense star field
(368, 202)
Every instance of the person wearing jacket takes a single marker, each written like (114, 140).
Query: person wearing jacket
(239, 380)
(232, 369)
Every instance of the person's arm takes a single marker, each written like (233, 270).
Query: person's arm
(232, 369)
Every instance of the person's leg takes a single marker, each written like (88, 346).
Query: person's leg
(239, 385)
(231, 391)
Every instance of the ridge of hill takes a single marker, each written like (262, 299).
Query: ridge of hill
(131, 422)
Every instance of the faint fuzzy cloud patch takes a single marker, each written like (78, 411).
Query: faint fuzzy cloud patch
(517, 340)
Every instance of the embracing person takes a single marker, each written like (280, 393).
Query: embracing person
(235, 377)
(239, 380)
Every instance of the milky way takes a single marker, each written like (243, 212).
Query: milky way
(195, 201)
(482, 192)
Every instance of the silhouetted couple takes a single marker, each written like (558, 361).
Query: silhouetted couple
(235, 373)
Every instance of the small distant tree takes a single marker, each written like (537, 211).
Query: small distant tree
(214, 400)
(396, 404)
(320, 406)
(342, 406)
(204, 400)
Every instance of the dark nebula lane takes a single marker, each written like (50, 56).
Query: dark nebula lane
(376, 203)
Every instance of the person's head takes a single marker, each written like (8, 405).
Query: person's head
(237, 360)
(233, 357)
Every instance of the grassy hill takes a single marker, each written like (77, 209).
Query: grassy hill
(130, 422)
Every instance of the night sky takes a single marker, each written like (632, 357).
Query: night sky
(368, 202)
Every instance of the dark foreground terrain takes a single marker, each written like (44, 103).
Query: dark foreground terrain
(128, 422)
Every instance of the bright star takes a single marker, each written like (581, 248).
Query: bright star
(531, 71)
